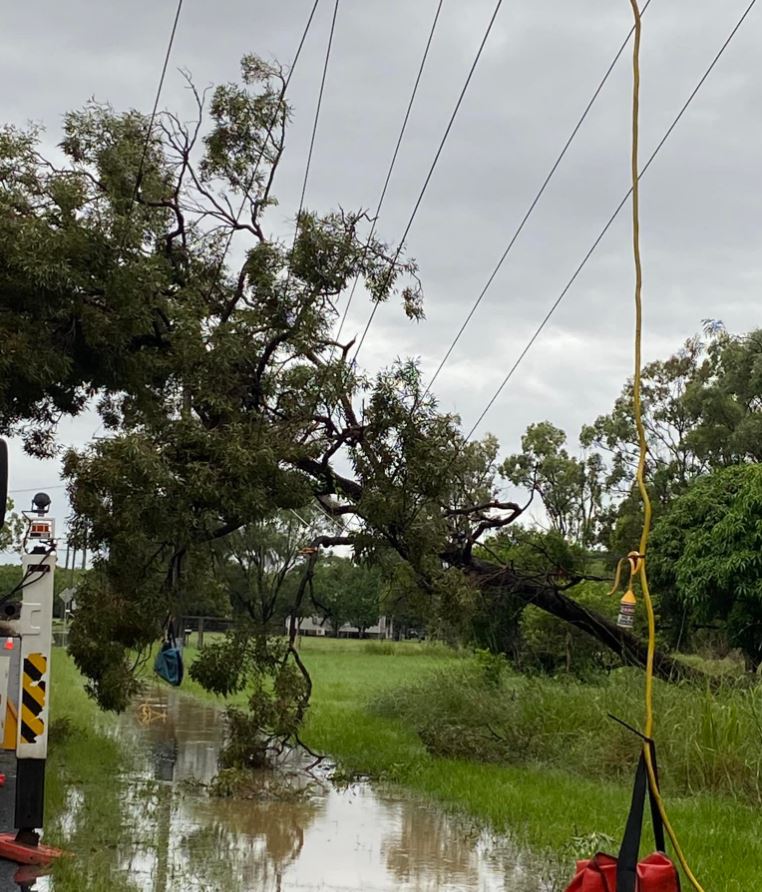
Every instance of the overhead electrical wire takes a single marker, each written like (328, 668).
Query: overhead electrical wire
(430, 172)
(393, 162)
(528, 213)
(567, 287)
(37, 488)
(532, 206)
(157, 98)
(268, 137)
(607, 226)
(314, 127)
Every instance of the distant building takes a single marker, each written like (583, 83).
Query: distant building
(317, 626)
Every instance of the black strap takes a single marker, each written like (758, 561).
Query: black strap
(657, 821)
(169, 632)
(627, 861)
(3, 479)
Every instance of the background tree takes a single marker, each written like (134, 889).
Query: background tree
(259, 567)
(13, 530)
(707, 555)
(701, 411)
(348, 593)
(726, 400)
(570, 488)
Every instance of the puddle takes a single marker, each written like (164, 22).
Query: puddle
(174, 836)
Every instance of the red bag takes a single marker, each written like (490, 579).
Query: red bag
(656, 873)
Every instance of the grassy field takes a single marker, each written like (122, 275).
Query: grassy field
(554, 808)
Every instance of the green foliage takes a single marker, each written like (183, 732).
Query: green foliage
(347, 592)
(491, 667)
(10, 575)
(548, 554)
(277, 690)
(496, 618)
(108, 629)
(221, 667)
(701, 411)
(707, 554)
(726, 400)
(13, 530)
(214, 383)
(553, 647)
(570, 488)
(258, 567)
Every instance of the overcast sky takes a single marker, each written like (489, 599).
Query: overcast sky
(701, 217)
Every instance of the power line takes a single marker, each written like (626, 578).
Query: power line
(532, 206)
(37, 488)
(154, 110)
(394, 158)
(315, 124)
(611, 219)
(268, 137)
(431, 171)
(309, 161)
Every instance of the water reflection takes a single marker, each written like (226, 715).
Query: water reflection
(295, 833)
(424, 847)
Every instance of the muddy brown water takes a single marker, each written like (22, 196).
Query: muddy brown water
(301, 832)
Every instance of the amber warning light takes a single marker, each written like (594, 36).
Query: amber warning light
(41, 529)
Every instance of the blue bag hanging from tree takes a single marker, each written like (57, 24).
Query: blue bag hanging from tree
(169, 660)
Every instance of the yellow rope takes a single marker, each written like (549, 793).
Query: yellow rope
(615, 587)
(640, 567)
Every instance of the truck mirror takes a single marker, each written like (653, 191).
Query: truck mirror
(3, 480)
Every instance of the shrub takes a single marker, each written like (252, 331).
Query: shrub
(551, 646)
(708, 741)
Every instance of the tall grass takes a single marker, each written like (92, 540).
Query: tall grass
(708, 741)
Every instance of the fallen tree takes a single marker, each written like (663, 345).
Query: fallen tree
(224, 392)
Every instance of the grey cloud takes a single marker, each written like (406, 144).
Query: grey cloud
(701, 222)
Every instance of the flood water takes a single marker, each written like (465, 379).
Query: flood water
(300, 832)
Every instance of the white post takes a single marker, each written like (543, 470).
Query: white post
(35, 626)
(5, 671)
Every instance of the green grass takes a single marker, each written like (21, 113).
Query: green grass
(85, 787)
(543, 806)
(347, 670)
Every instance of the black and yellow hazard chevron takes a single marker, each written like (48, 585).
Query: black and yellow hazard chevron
(33, 697)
